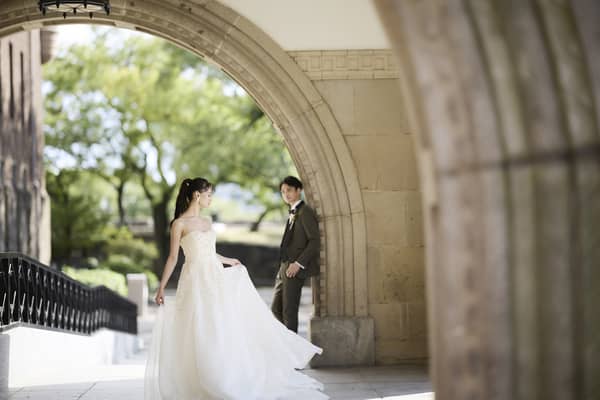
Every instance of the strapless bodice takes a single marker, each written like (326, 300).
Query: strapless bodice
(198, 243)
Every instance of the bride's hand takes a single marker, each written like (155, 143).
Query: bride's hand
(160, 296)
(234, 261)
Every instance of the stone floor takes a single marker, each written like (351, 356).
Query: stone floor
(125, 381)
(373, 383)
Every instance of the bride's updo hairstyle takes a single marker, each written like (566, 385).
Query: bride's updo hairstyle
(188, 187)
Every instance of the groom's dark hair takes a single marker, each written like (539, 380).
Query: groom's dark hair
(291, 181)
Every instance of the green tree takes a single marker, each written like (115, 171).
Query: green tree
(77, 217)
(248, 171)
(149, 113)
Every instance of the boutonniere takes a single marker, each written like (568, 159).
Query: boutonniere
(292, 217)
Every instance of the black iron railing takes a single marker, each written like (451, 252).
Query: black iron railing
(33, 294)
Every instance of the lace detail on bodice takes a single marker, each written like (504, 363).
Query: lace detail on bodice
(202, 269)
(205, 241)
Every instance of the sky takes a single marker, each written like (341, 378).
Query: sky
(83, 33)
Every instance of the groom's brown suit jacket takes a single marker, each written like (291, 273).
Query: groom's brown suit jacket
(301, 241)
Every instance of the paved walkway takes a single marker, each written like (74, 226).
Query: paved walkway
(125, 381)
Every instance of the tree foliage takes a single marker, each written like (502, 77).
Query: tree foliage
(77, 216)
(150, 113)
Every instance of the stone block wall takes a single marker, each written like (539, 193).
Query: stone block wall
(363, 92)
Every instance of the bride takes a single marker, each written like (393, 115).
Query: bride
(217, 339)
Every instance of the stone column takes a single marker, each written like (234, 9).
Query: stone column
(45, 228)
(24, 209)
(10, 204)
(505, 99)
(21, 145)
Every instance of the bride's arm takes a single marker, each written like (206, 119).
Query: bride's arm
(176, 231)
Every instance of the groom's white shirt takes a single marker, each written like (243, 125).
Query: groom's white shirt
(293, 207)
(290, 219)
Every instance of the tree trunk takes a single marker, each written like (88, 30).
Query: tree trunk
(256, 224)
(120, 191)
(68, 253)
(161, 237)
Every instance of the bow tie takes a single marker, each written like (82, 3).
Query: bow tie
(292, 211)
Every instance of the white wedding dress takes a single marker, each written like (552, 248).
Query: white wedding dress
(218, 340)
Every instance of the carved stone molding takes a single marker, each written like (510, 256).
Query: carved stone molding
(347, 64)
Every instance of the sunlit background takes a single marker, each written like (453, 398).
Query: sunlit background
(128, 116)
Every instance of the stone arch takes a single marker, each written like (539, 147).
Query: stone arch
(222, 36)
(506, 106)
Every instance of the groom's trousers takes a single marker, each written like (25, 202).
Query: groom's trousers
(286, 300)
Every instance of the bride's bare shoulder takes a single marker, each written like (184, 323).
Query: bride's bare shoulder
(177, 225)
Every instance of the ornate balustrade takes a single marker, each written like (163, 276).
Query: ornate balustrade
(32, 294)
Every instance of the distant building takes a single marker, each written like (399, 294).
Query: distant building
(24, 203)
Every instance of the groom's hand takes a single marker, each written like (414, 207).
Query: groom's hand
(292, 270)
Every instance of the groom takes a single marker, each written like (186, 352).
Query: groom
(298, 255)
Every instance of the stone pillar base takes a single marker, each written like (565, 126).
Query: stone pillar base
(137, 285)
(346, 341)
